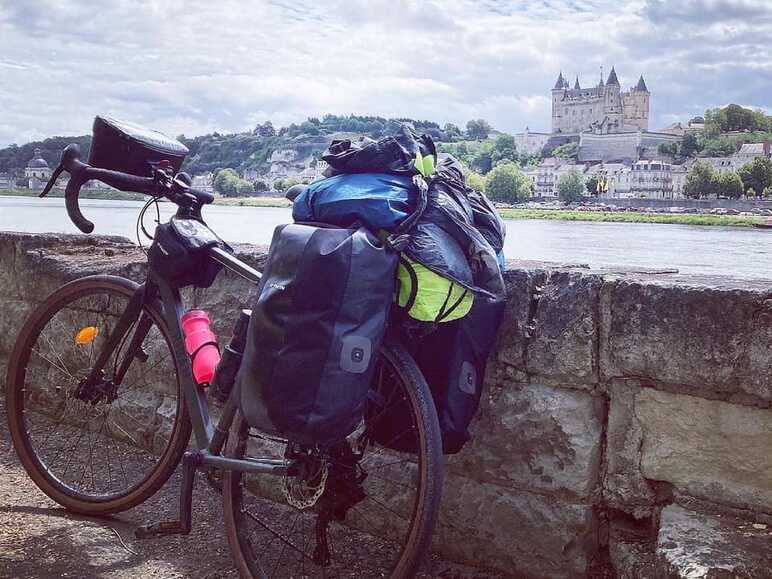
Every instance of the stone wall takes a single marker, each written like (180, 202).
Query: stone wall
(627, 424)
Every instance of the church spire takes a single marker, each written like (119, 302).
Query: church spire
(612, 77)
(576, 84)
(641, 86)
(560, 83)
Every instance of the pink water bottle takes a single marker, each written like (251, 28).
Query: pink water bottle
(201, 345)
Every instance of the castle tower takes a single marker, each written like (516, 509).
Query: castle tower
(612, 104)
(558, 92)
(636, 106)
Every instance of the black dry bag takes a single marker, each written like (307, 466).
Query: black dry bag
(316, 328)
(452, 358)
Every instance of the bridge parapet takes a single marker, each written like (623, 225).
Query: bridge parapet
(627, 422)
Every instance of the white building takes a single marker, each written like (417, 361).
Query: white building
(645, 180)
(750, 151)
(204, 182)
(37, 172)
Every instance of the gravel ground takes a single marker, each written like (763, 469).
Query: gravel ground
(39, 539)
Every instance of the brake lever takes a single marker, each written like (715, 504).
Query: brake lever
(69, 155)
(52, 181)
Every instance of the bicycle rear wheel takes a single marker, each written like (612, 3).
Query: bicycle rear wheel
(111, 448)
(376, 507)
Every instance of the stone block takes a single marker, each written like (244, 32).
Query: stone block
(13, 314)
(694, 545)
(513, 333)
(708, 449)
(535, 437)
(624, 486)
(563, 339)
(633, 560)
(698, 340)
(522, 534)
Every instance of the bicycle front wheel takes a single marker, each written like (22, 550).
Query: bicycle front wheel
(368, 512)
(110, 447)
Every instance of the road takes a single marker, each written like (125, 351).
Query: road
(40, 540)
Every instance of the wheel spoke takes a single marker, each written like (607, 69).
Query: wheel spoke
(75, 434)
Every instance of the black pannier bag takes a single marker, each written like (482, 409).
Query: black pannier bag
(394, 154)
(452, 358)
(316, 327)
(178, 253)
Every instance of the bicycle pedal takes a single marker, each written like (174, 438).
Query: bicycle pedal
(160, 529)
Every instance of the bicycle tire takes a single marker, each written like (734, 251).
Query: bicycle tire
(52, 486)
(426, 505)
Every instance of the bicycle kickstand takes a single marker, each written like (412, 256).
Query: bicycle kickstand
(190, 463)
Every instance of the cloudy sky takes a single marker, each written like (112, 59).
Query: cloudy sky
(199, 66)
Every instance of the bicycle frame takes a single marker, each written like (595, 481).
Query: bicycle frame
(209, 438)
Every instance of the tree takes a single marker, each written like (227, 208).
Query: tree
(668, 149)
(504, 149)
(700, 180)
(226, 182)
(482, 160)
(452, 132)
(284, 184)
(730, 185)
(507, 183)
(478, 129)
(592, 185)
(689, 144)
(566, 151)
(259, 186)
(571, 186)
(474, 180)
(757, 175)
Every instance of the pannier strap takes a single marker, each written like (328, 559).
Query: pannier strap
(445, 313)
(399, 240)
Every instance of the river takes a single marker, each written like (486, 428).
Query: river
(731, 251)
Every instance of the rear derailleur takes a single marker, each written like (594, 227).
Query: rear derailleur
(332, 481)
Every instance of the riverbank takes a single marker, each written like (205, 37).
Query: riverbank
(114, 195)
(632, 217)
(552, 214)
(103, 194)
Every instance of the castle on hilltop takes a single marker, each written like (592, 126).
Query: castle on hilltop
(600, 109)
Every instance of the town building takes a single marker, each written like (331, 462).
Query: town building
(546, 176)
(750, 151)
(603, 108)
(7, 181)
(645, 180)
(204, 182)
(37, 172)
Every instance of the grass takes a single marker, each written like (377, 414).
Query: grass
(253, 201)
(632, 217)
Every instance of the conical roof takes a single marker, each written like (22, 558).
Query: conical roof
(560, 83)
(641, 85)
(576, 84)
(612, 77)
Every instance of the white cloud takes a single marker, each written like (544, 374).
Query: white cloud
(196, 66)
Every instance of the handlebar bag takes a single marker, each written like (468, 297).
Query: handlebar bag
(316, 326)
